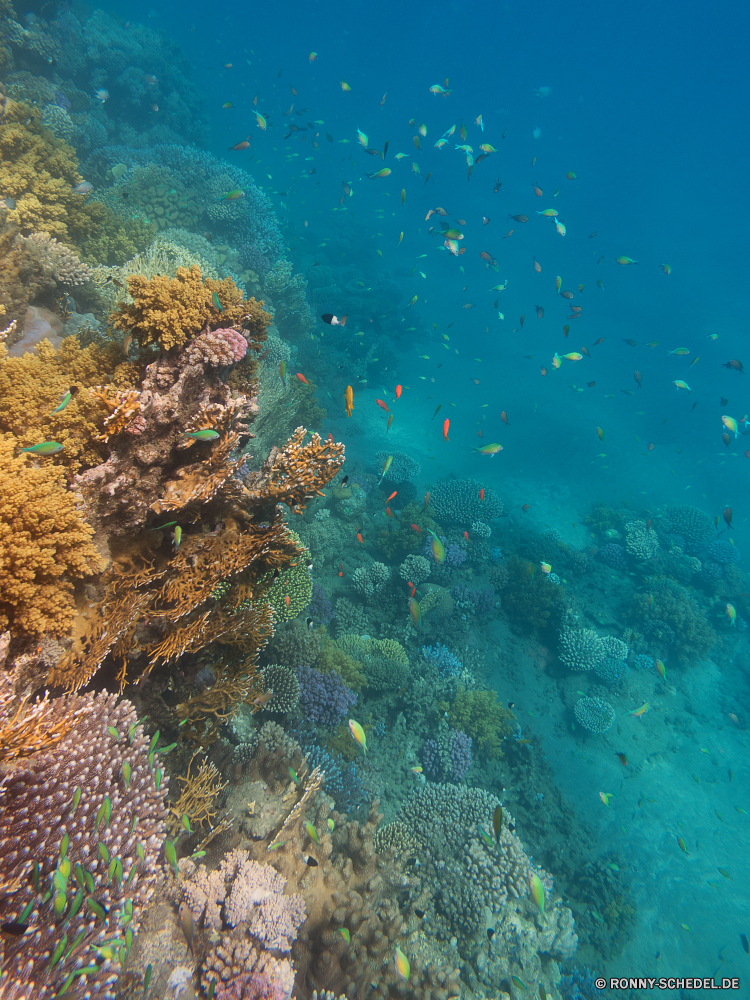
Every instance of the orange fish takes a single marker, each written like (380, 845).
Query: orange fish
(241, 145)
(446, 425)
(395, 493)
(286, 600)
(504, 418)
(359, 538)
(481, 493)
(389, 512)
(398, 392)
(413, 588)
(466, 535)
(349, 400)
(341, 571)
(302, 378)
(382, 405)
(417, 528)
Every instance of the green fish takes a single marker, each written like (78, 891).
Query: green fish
(345, 934)
(486, 837)
(177, 536)
(207, 434)
(489, 449)
(438, 549)
(159, 527)
(45, 448)
(537, 891)
(232, 196)
(293, 774)
(519, 983)
(216, 302)
(63, 402)
(725, 874)
(312, 833)
(497, 821)
(276, 845)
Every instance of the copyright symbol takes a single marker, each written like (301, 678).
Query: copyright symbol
(600, 983)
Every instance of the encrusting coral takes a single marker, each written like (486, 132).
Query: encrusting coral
(44, 544)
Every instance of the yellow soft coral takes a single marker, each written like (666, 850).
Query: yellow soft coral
(40, 172)
(43, 542)
(170, 311)
(32, 386)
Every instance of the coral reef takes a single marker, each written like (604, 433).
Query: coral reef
(371, 580)
(283, 682)
(459, 500)
(72, 810)
(440, 657)
(613, 555)
(594, 714)
(323, 697)
(482, 716)
(641, 542)
(447, 758)
(531, 601)
(692, 524)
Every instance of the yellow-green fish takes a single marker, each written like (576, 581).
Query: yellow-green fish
(415, 611)
(282, 371)
(63, 402)
(679, 351)
(312, 833)
(45, 448)
(232, 196)
(438, 549)
(681, 385)
(262, 123)
(386, 467)
(625, 260)
(403, 969)
(537, 891)
(412, 300)
(383, 172)
(216, 302)
(358, 734)
(489, 449)
(549, 213)
(683, 846)
(345, 934)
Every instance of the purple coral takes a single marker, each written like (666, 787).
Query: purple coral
(454, 556)
(481, 601)
(320, 607)
(324, 697)
(613, 555)
(724, 552)
(219, 347)
(431, 759)
(460, 754)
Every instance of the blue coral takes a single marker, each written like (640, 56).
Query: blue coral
(496, 555)
(446, 664)
(324, 698)
(342, 781)
(579, 985)
(724, 552)
(613, 555)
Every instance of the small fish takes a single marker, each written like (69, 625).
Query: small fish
(44, 448)
(241, 145)
(345, 87)
(605, 797)
(731, 614)
(415, 611)
(625, 260)
(345, 934)
(312, 833)
(233, 195)
(681, 385)
(660, 669)
(446, 427)
(679, 351)
(85, 187)
(358, 734)
(519, 983)
(641, 711)
(383, 172)
(537, 891)
(333, 320)
(310, 861)
(302, 378)
(622, 759)
(489, 449)
(185, 915)
(401, 962)
(206, 434)
(725, 873)
(683, 846)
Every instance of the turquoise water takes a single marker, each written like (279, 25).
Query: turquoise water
(644, 105)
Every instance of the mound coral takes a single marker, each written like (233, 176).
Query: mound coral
(692, 524)
(324, 698)
(531, 601)
(641, 542)
(594, 714)
(73, 810)
(44, 544)
(285, 686)
(40, 172)
(368, 581)
(672, 613)
(459, 500)
(482, 716)
(415, 568)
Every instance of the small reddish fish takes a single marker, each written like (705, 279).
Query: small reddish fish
(466, 535)
(359, 538)
(382, 405)
(481, 493)
(417, 528)
(286, 600)
(389, 512)
(446, 426)
(241, 145)
(395, 493)
(398, 392)
(302, 378)
(341, 571)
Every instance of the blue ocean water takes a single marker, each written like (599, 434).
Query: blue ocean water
(645, 105)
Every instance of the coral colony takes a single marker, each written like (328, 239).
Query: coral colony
(258, 733)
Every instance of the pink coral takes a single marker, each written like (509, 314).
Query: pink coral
(219, 347)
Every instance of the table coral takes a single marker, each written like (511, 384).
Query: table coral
(170, 311)
(43, 544)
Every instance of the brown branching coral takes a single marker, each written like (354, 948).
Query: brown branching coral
(44, 544)
(298, 472)
(197, 796)
(170, 311)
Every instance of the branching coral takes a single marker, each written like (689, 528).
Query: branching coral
(171, 311)
(43, 544)
(197, 797)
(298, 472)
(73, 865)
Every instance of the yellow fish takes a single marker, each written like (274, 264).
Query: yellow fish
(625, 260)
(358, 734)
(556, 361)
(681, 385)
(486, 148)
(679, 351)
(550, 213)
(605, 797)
(403, 969)
(641, 711)
(560, 227)
(574, 356)
(345, 87)
(262, 123)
